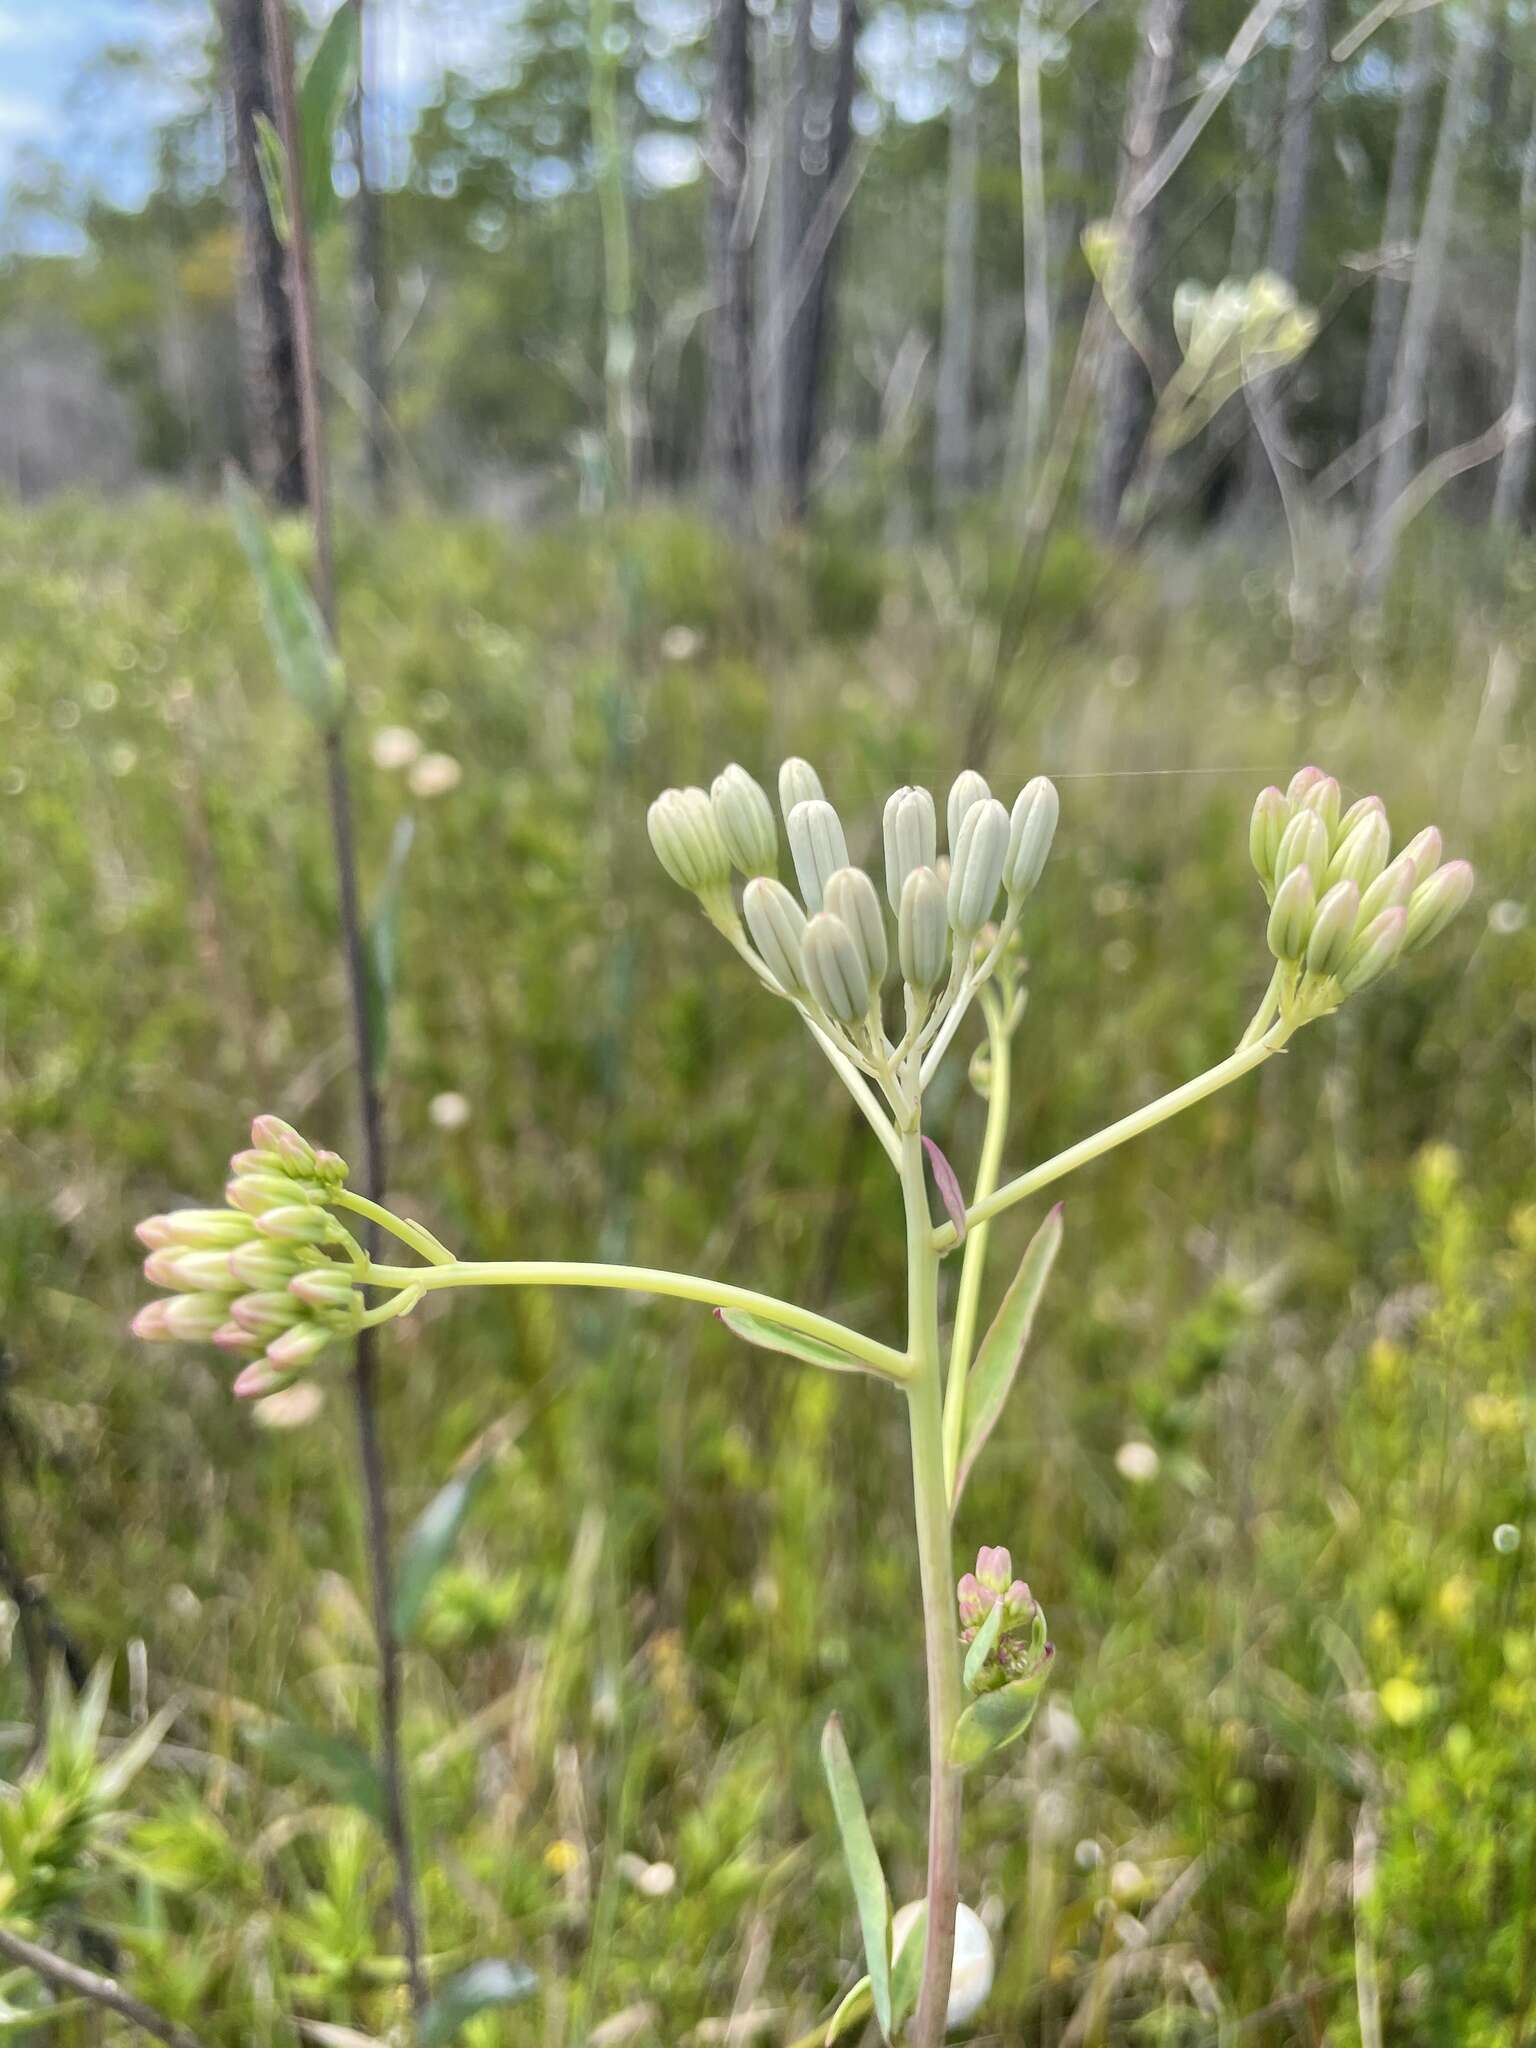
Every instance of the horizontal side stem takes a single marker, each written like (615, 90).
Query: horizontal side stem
(1132, 1126)
(96, 1989)
(880, 1358)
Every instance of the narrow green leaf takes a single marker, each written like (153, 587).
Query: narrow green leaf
(323, 95)
(123, 1766)
(301, 647)
(1002, 1349)
(907, 1967)
(336, 1763)
(792, 1343)
(483, 1987)
(272, 163)
(983, 1645)
(430, 1544)
(870, 1895)
(852, 2013)
(995, 1719)
(381, 941)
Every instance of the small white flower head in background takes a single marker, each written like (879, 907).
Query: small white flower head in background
(449, 1111)
(1506, 1539)
(435, 775)
(970, 1982)
(395, 747)
(680, 643)
(1137, 1461)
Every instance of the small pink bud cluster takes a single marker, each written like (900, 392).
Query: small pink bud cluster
(253, 1278)
(1021, 1647)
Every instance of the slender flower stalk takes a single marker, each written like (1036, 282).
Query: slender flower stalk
(278, 1277)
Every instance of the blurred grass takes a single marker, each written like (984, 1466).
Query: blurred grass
(1295, 1655)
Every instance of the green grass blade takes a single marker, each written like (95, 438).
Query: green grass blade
(1002, 1350)
(323, 95)
(870, 1894)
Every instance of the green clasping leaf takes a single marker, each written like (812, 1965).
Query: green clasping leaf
(1002, 1350)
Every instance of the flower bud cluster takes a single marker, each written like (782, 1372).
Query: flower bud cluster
(1020, 1648)
(1343, 908)
(254, 1277)
(827, 947)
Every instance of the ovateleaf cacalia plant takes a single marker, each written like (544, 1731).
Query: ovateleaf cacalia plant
(278, 1276)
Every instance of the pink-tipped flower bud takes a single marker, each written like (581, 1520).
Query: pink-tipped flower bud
(1290, 920)
(1435, 902)
(1423, 849)
(254, 1193)
(973, 1601)
(298, 1347)
(230, 1337)
(1361, 852)
(266, 1315)
(1390, 890)
(1362, 807)
(259, 1378)
(150, 1324)
(262, 1264)
(1271, 815)
(293, 1152)
(1301, 782)
(298, 1224)
(994, 1568)
(1325, 800)
(197, 1229)
(1333, 929)
(327, 1288)
(187, 1272)
(193, 1318)
(330, 1168)
(1376, 949)
(1303, 844)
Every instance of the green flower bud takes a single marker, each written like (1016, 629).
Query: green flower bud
(296, 1225)
(976, 866)
(1031, 829)
(326, 1288)
(292, 1152)
(1390, 890)
(777, 925)
(911, 838)
(687, 840)
(187, 1272)
(1300, 783)
(1361, 852)
(834, 969)
(194, 1317)
(1304, 843)
(262, 1265)
(1423, 849)
(254, 1193)
(922, 931)
(196, 1229)
(1290, 920)
(851, 897)
(299, 1346)
(1361, 808)
(1326, 799)
(266, 1315)
(744, 818)
(1373, 951)
(330, 1168)
(1271, 815)
(817, 847)
(798, 784)
(1435, 902)
(1333, 928)
(967, 788)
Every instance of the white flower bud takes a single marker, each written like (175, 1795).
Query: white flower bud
(1326, 799)
(817, 846)
(1271, 815)
(851, 896)
(1436, 902)
(1360, 808)
(911, 838)
(1300, 783)
(967, 788)
(1362, 851)
(798, 784)
(1304, 843)
(1290, 921)
(1031, 829)
(1373, 951)
(834, 969)
(1333, 928)
(976, 866)
(922, 931)
(777, 925)
(744, 818)
(1423, 849)
(971, 1972)
(1390, 890)
(687, 840)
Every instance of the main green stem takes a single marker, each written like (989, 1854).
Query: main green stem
(962, 1341)
(930, 1495)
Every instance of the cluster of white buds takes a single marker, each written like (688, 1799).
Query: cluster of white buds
(827, 950)
(1343, 908)
(257, 1278)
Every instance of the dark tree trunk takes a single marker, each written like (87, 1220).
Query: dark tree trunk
(952, 397)
(818, 133)
(1125, 391)
(1391, 292)
(370, 276)
(270, 376)
(1309, 59)
(728, 423)
(1514, 478)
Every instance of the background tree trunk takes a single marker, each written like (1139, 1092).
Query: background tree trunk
(728, 420)
(952, 397)
(1304, 80)
(1514, 478)
(370, 278)
(1391, 293)
(269, 373)
(1032, 399)
(1125, 396)
(1405, 402)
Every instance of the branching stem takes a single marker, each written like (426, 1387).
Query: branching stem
(962, 1341)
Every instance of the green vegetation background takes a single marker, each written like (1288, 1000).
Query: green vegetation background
(1295, 1655)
